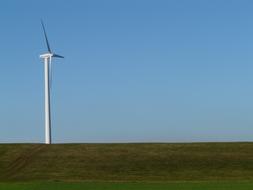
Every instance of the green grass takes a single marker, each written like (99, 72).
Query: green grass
(126, 162)
(129, 186)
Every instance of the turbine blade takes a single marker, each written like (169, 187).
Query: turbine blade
(45, 34)
(57, 56)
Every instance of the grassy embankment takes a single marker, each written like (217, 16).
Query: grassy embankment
(126, 162)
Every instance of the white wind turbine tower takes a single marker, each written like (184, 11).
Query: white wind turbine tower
(47, 57)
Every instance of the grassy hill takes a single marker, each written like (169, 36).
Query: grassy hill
(126, 162)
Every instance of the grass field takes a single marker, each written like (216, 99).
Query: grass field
(118, 166)
(129, 186)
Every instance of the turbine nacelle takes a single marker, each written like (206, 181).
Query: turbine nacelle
(46, 55)
(50, 55)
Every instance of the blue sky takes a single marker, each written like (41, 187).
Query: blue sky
(135, 70)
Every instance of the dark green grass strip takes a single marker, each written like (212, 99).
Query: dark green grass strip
(126, 162)
(128, 186)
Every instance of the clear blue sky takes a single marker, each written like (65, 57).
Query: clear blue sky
(135, 70)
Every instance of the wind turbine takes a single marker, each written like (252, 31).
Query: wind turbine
(47, 57)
